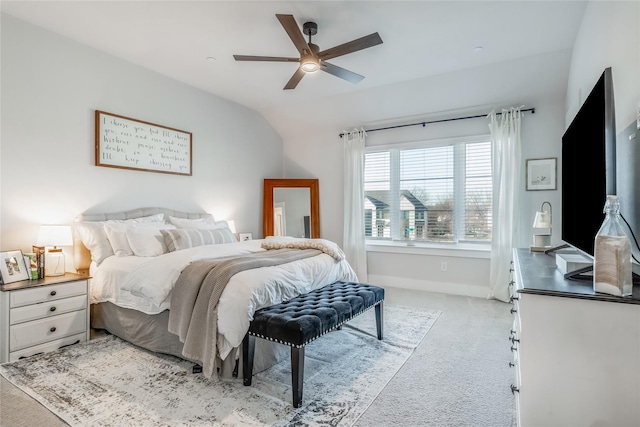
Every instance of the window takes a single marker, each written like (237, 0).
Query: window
(432, 191)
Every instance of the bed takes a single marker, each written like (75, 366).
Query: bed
(138, 259)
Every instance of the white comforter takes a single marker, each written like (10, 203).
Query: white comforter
(145, 284)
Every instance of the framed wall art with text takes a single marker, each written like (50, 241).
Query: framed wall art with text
(125, 143)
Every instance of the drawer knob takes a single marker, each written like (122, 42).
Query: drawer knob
(514, 348)
(52, 308)
(513, 311)
(511, 364)
(512, 299)
(53, 329)
(514, 389)
(514, 340)
(52, 293)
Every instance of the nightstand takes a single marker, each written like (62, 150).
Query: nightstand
(38, 316)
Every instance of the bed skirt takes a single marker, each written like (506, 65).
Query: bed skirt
(150, 331)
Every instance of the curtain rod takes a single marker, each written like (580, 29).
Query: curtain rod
(533, 111)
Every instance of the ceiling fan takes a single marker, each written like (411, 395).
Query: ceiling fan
(311, 58)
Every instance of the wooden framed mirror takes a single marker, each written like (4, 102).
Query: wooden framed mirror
(291, 208)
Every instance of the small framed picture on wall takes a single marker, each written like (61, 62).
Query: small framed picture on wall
(541, 174)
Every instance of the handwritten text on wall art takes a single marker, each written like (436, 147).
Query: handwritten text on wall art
(127, 143)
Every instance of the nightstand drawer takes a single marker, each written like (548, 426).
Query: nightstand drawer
(47, 293)
(46, 347)
(48, 309)
(40, 331)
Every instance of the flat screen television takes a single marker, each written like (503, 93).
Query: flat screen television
(589, 166)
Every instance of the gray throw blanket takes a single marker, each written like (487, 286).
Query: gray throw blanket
(194, 300)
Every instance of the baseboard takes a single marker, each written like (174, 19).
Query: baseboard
(430, 286)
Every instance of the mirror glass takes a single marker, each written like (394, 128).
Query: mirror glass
(292, 212)
(291, 208)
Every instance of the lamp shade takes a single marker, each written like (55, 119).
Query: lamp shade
(542, 220)
(232, 225)
(542, 241)
(55, 235)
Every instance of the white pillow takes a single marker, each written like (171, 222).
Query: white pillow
(146, 240)
(94, 238)
(116, 231)
(179, 239)
(117, 234)
(192, 223)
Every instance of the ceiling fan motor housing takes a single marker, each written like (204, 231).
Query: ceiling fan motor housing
(310, 28)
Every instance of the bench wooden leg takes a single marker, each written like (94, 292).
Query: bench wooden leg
(297, 374)
(248, 348)
(379, 319)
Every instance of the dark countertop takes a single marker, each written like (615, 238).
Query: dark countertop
(26, 284)
(538, 275)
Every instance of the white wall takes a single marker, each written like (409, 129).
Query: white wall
(533, 82)
(610, 37)
(51, 87)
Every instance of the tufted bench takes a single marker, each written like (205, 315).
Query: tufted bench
(303, 319)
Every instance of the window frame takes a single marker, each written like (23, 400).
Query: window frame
(459, 213)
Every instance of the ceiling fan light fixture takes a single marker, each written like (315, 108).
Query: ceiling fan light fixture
(311, 58)
(310, 64)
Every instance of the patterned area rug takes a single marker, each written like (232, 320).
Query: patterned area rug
(108, 382)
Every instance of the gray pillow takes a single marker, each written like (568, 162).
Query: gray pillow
(185, 238)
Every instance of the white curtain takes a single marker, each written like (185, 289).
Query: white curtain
(353, 238)
(505, 136)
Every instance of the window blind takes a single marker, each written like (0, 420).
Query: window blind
(429, 192)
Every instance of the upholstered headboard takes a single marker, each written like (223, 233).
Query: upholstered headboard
(82, 256)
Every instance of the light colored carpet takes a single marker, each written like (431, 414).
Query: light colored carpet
(108, 382)
(459, 376)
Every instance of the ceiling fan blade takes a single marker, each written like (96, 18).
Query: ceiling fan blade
(352, 46)
(347, 75)
(293, 30)
(264, 58)
(295, 79)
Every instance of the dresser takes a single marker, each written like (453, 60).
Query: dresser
(43, 315)
(576, 354)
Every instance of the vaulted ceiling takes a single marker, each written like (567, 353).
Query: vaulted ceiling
(194, 42)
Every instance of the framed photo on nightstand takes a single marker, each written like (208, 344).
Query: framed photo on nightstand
(12, 267)
(245, 236)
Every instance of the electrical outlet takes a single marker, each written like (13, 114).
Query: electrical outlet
(443, 266)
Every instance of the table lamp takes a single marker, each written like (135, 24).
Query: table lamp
(542, 241)
(52, 236)
(232, 225)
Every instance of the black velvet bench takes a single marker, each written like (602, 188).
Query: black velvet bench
(305, 318)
